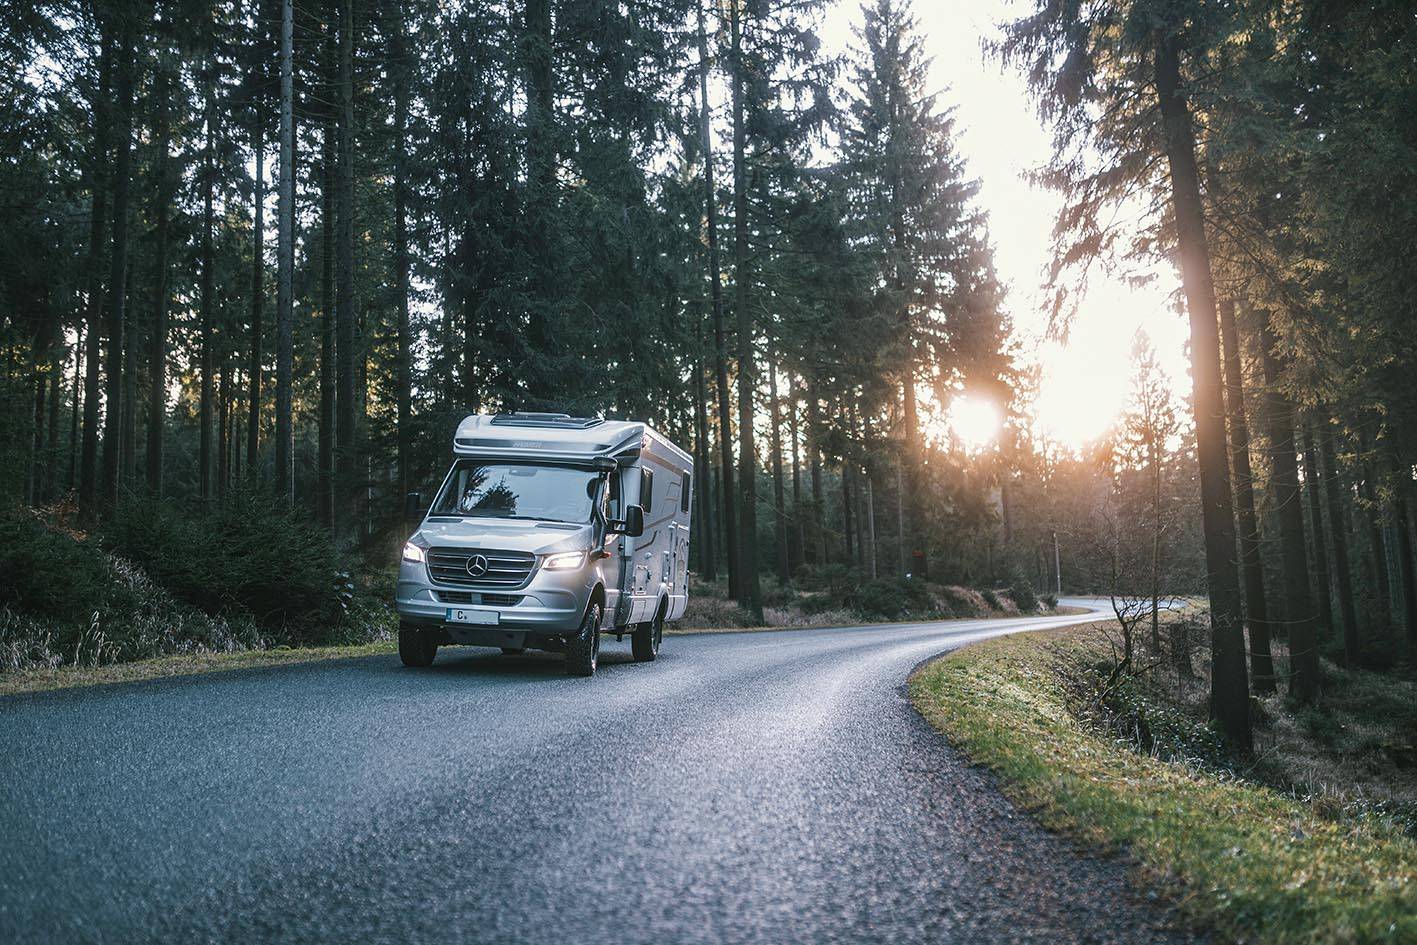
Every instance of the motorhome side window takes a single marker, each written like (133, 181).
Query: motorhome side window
(646, 488)
(684, 494)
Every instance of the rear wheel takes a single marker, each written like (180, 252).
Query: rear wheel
(644, 642)
(583, 650)
(416, 647)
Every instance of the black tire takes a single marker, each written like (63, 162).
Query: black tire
(416, 647)
(644, 642)
(513, 650)
(583, 649)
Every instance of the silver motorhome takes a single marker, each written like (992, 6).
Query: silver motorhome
(548, 531)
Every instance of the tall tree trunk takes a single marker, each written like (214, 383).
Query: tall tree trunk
(157, 350)
(404, 379)
(41, 366)
(118, 264)
(223, 428)
(49, 489)
(537, 49)
(1406, 574)
(708, 563)
(799, 542)
(1154, 462)
(1377, 542)
(93, 306)
(1328, 470)
(325, 502)
(1299, 614)
(1229, 692)
(1251, 564)
(751, 588)
(1312, 488)
(208, 289)
(285, 261)
(779, 492)
(77, 407)
(847, 513)
(725, 436)
(346, 447)
(258, 296)
(814, 450)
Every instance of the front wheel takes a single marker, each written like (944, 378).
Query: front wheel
(583, 649)
(416, 647)
(644, 642)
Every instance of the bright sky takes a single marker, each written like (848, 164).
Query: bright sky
(1084, 383)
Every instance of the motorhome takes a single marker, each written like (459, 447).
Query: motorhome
(548, 532)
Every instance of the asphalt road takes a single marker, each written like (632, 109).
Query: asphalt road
(745, 788)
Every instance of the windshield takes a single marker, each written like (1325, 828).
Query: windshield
(507, 490)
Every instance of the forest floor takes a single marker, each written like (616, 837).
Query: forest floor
(1313, 838)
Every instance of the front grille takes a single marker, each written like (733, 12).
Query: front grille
(505, 569)
(468, 597)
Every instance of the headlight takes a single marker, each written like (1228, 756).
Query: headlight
(565, 561)
(412, 552)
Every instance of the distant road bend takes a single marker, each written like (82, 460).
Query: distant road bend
(746, 788)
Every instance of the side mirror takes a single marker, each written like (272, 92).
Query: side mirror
(634, 521)
(412, 512)
(633, 524)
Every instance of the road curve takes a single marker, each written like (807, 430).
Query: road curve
(746, 788)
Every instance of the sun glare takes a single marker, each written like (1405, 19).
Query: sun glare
(974, 422)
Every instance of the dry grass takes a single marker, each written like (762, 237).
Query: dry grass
(182, 664)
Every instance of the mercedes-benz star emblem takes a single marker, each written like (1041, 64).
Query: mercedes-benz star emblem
(477, 566)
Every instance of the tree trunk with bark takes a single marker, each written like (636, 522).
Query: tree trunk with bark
(208, 286)
(93, 304)
(1317, 532)
(1300, 616)
(1229, 696)
(404, 379)
(118, 266)
(751, 587)
(1343, 577)
(346, 447)
(1251, 564)
(704, 533)
(157, 350)
(258, 242)
(720, 342)
(779, 490)
(325, 448)
(285, 262)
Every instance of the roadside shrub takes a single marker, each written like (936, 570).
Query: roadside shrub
(251, 555)
(891, 599)
(63, 600)
(834, 578)
(991, 599)
(1021, 593)
(1050, 600)
(45, 572)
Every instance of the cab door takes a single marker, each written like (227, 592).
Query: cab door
(614, 564)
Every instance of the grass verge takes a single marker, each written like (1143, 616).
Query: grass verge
(1253, 863)
(181, 664)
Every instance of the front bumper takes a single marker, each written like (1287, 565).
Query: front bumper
(551, 603)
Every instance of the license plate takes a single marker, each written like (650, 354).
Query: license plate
(484, 617)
